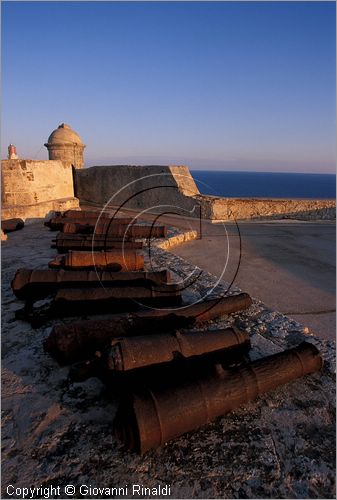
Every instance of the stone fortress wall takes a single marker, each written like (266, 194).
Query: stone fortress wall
(34, 188)
(148, 186)
(154, 188)
(224, 209)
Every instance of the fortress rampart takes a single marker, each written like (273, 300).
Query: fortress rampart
(142, 187)
(154, 187)
(224, 209)
(34, 188)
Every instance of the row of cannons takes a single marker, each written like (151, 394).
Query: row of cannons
(171, 371)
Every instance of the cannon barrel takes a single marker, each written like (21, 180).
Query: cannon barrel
(150, 417)
(116, 260)
(10, 225)
(115, 230)
(83, 214)
(38, 283)
(81, 339)
(65, 242)
(219, 346)
(113, 299)
(131, 353)
(57, 223)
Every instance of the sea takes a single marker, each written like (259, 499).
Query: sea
(265, 184)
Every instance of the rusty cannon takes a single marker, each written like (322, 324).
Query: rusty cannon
(58, 223)
(162, 357)
(39, 283)
(99, 300)
(80, 340)
(83, 214)
(116, 230)
(152, 416)
(130, 353)
(65, 242)
(114, 260)
(11, 225)
(126, 296)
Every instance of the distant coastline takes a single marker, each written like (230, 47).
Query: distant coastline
(265, 184)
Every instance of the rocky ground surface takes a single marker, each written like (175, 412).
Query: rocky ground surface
(57, 434)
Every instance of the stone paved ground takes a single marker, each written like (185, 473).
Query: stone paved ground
(53, 433)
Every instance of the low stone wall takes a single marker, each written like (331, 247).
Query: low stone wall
(224, 209)
(33, 188)
(179, 238)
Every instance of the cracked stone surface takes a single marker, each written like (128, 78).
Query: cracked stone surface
(56, 433)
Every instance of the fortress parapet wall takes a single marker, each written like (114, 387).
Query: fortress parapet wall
(224, 209)
(155, 187)
(33, 188)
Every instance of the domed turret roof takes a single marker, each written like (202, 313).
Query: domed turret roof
(63, 134)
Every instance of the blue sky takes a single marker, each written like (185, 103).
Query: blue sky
(214, 85)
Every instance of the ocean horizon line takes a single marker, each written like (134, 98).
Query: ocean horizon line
(260, 172)
(104, 163)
